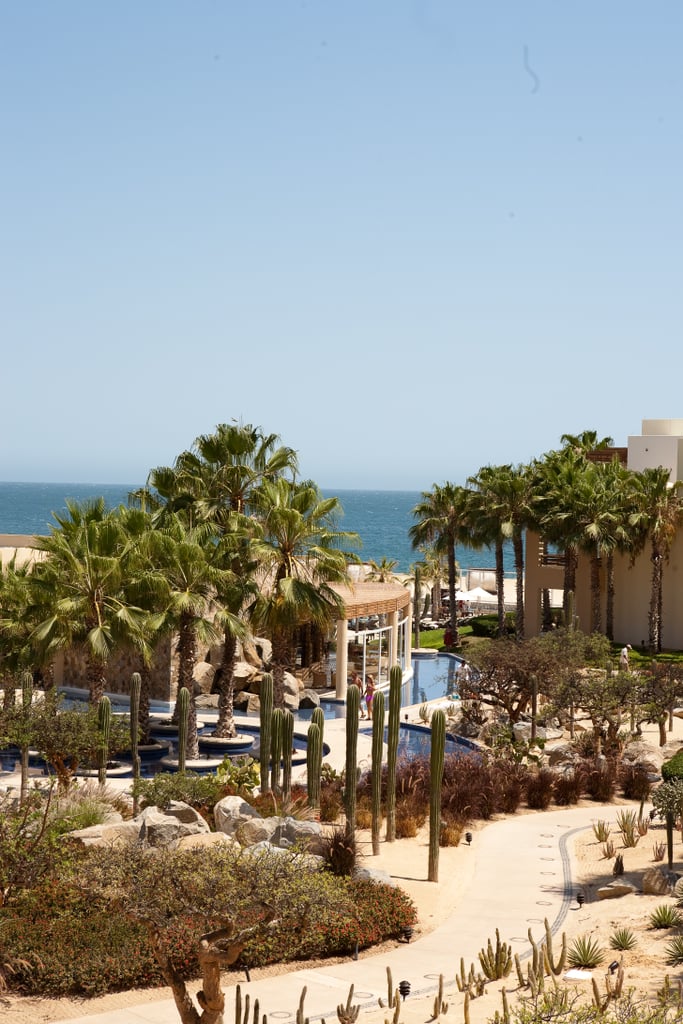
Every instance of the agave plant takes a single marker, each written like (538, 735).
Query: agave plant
(601, 830)
(622, 938)
(585, 952)
(674, 952)
(665, 916)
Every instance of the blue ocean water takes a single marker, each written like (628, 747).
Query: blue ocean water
(381, 518)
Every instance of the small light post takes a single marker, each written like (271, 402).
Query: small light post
(468, 838)
(580, 899)
(404, 988)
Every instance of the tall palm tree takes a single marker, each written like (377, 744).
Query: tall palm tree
(656, 516)
(508, 491)
(487, 529)
(442, 521)
(184, 559)
(81, 578)
(300, 554)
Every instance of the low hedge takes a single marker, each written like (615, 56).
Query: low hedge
(59, 942)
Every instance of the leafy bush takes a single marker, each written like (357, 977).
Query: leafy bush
(585, 952)
(339, 852)
(568, 787)
(75, 939)
(199, 791)
(634, 782)
(539, 789)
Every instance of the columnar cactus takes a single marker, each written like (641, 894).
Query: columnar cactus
(318, 717)
(352, 710)
(287, 744)
(436, 777)
(496, 963)
(377, 751)
(135, 687)
(104, 725)
(275, 748)
(183, 708)
(266, 713)
(313, 762)
(26, 704)
(395, 686)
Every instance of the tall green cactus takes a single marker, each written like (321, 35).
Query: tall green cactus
(395, 687)
(26, 706)
(265, 715)
(350, 781)
(436, 761)
(135, 688)
(275, 748)
(183, 705)
(318, 717)
(377, 751)
(313, 761)
(287, 744)
(104, 726)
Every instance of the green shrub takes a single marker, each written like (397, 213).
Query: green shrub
(673, 768)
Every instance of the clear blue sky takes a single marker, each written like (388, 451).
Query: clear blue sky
(410, 236)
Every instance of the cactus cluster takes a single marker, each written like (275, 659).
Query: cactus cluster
(496, 963)
(472, 984)
(242, 1013)
(394, 1001)
(347, 1013)
(613, 989)
(439, 1005)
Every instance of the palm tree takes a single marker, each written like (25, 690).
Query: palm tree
(442, 521)
(508, 494)
(487, 529)
(383, 570)
(298, 548)
(82, 580)
(183, 556)
(656, 516)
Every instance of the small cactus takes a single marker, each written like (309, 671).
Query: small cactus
(287, 742)
(496, 963)
(265, 715)
(554, 968)
(348, 1013)
(395, 686)
(439, 1005)
(313, 763)
(275, 748)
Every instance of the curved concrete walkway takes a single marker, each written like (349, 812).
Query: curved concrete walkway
(522, 874)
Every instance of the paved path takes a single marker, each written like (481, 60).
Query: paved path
(522, 874)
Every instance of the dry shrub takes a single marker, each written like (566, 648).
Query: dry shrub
(568, 787)
(363, 817)
(407, 825)
(539, 789)
(601, 780)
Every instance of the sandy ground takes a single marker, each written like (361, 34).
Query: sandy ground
(406, 860)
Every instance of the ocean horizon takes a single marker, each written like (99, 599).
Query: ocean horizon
(382, 519)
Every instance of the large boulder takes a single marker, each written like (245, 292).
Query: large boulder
(309, 699)
(256, 830)
(305, 835)
(655, 883)
(164, 827)
(562, 754)
(121, 833)
(203, 675)
(204, 839)
(230, 812)
(615, 890)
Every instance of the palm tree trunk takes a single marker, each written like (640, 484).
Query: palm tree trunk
(609, 611)
(500, 586)
(655, 598)
(143, 713)
(281, 645)
(518, 548)
(451, 593)
(187, 657)
(96, 679)
(569, 583)
(596, 617)
(225, 726)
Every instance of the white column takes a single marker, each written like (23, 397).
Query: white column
(409, 636)
(393, 653)
(342, 658)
